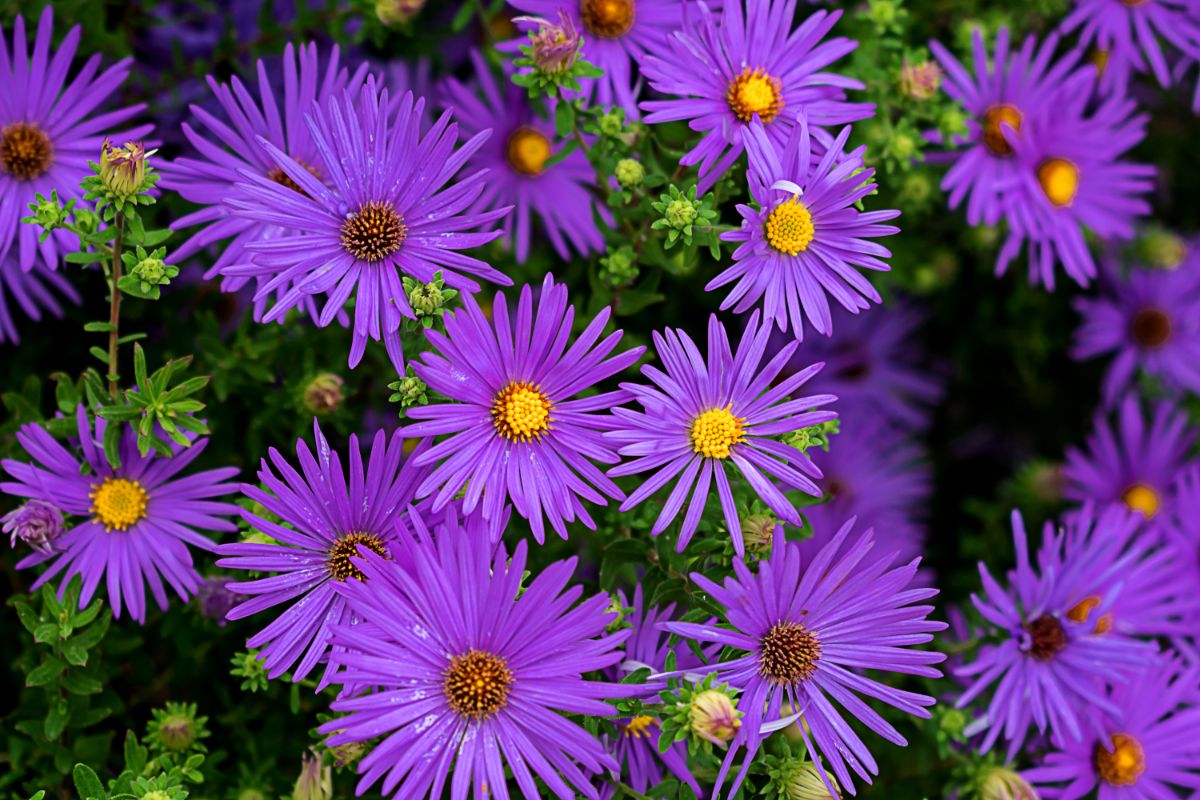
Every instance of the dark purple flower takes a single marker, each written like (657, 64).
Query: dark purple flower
(36, 523)
(216, 599)
(33, 291)
(140, 517)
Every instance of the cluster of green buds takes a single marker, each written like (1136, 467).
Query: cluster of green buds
(812, 436)
(409, 391)
(176, 729)
(428, 301)
(146, 272)
(619, 268)
(682, 213)
(552, 60)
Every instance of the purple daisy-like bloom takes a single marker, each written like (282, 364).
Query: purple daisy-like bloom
(558, 195)
(140, 516)
(1141, 754)
(1002, 93)
(228, 145)
(516, 429)
(808, 630)
(1151, 321)
(48, 132)
(618, 35)
(37, 523)
(806, 239)
(326, 516)
(35, 291)
(389, 209)
(702, 416)
(1050, 662)
(1132, 464)
(1071, 177)
(472, 670)
(725, 68)
(1127, 32)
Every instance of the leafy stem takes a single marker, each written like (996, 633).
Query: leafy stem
(114, 306)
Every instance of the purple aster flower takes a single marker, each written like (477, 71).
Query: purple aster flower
(557, 195)
(1151, 321)
(34, 291)
(808, 631)
(1148, 748)
(389, 208)
(1002, 93)
(48, 133)
(726, 68)
(618, 35)
(322, 516)
(140, 516)
(1181, 527)
(37, 523)
(699, 418)
(1131, 464)
(1049, 663)
(516, 429)
(806, 239)
(1127, 32)
(228, 145)
(473, 670)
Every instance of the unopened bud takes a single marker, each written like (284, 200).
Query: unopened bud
(1004, 784)
(123, 169)
(800, 780)
(612, 123)
(1161, 248)
(758, 532)
(37, 523)
(555, 47)
(920, 81)
(323, 394)
(395, 12)
(315, 781)
(714, 717)
(630, 173)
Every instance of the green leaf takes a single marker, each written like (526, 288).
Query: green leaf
(87, 783)
(78, 683)
(135, 754)
(39, 795)
(93, 634)
(45, 672)
(564, 119)
(462, 17)
(98, 327)
(112, 444)
(139, 369)
(56, 721)
(74, 652)
(100, 353)
(156, 237)
(29, 618)
(85, 258)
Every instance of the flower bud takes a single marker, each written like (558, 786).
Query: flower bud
(630, 173)
(920, 81)
(156, 794)
(315, 781)
(395, 12)
(555, 47)
(323, 394)
(123, 169)
(713, 716)
(176, 728)
(758, 532)
(346, 754)
(1004, 784)
(37, 523)
(618, 268)
(1161, 248)
(681, 213)
(49, 213)
(612, 124)
(800, 780)
(409, 391)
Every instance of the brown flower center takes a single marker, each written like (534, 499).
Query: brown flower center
(345, 548)
(1047, 637)
(25, 150)
(993, 135)
(283, 179)
(527, 151)
(477, 684)
(373, 233)
(755, 91)
(1150, 327)
(1125, 764)
(607, 19)
(788, 653)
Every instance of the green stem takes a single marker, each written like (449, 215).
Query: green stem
(628, 790)
(114, 306)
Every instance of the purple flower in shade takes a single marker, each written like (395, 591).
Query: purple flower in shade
(1181, 528)
(557, 195)
(33, 291)
(472, 670)
(37, 523)
(1140, 754)
(516, 428)
(1127, 32)
(228, 145)
(701, 417)
(808, 632)
(388, 209)
(48, 133)
(1131, 464)
(1151, 321)
(724, 68)
(140, 517)
(999, 98)
(216, 599)
(1045, 669)
(618, 35)
(1070, 177)
(806, 239)
(325, 516)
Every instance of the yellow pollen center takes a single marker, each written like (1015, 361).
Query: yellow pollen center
(993, 134)
(1140, 497)
(789, 227)
(715, 431)
(1059, 179)
(476, 684)
(788, 653)
(1125, 764)
(119, 503)
(521, 412)
(373, 233)
(638, 726)
(755, 92)
(528, 151)
(607, 19)
(345, 548)
(25, 150)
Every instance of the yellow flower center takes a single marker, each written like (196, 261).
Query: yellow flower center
(788, 653)
(1084, 608)
(476, 684)
(638, 726)
(789, 227)
(521, 412)
(25, 150)
(715, 431)
(1059, 179)
(528, 151)
(1143, 498)
(1125, 764)
(755, 92)
(607, 19)
(346, 547)
(993, 135)
(373, 233)
(1099, 58)
(119, 503)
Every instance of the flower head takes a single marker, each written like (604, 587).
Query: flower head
(123, 169)
(714, 717)
(36, 523)
(138, 518)
(555, 46)
(921, 80)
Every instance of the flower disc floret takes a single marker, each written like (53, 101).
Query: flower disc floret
(119, 503)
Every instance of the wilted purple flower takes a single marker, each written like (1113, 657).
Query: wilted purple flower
(708, 416)
(36, 523)
(920, 81)
(808, 631)
(726, 68)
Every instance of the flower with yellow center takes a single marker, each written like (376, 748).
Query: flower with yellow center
(755, 91)
(527, 151)
(1059, 179)
(1124, 764)
(638, 727)
(346, 547)
(1143, 498)
(476, 684)
(521, 412)
(118, 504)
(607, 19)
(716, 431)
(789, 227)
(374, 232)
(993, 133)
